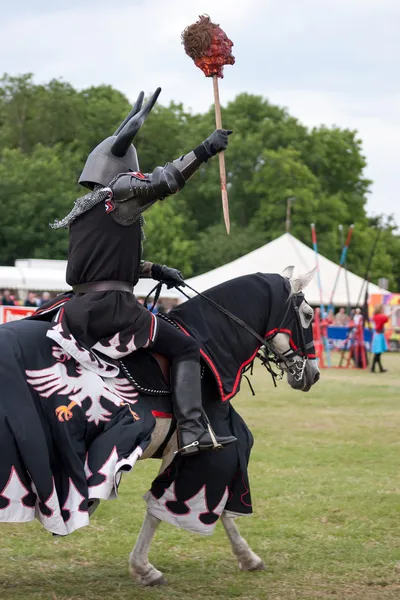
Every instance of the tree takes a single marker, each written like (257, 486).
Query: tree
(167, 241)
(47, 131)
(103, 110)
(31, 114)
(35, 190)
(214, 248)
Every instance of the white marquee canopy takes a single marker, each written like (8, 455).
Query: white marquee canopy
(275, 256)
(49, 275)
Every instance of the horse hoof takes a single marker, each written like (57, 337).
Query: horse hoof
(260, 567)
(160, 581)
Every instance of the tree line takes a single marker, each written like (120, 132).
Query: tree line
(47, 131)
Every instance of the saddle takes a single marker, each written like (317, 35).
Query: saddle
(148, 371)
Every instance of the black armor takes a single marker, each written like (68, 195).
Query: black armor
(133, 193)
(104, 265)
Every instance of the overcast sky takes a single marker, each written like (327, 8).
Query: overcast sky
(328, 61)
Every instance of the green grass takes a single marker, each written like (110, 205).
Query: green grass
(325, 482)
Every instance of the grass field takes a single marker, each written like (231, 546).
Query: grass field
(325, 478)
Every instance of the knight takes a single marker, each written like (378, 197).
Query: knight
(105, 263)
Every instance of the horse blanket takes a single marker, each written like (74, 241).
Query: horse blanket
(71, 424)
(66, 433)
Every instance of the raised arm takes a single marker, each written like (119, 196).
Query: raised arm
(132, 193)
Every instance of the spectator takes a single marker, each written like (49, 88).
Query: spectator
(160, 307)
(329, 317)
(7, 299)
(45, 298)
(357, 317)
(379, 345)
(31, 300)
(341, 319)
(174, 302)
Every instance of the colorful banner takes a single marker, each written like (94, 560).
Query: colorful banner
(391, 307)
(14, 313)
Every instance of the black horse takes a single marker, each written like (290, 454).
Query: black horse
(72, 422)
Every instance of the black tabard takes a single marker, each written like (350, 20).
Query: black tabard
(102, 250)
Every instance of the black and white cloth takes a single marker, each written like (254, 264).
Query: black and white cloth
(68, 428)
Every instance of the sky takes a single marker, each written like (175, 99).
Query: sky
(331, 62)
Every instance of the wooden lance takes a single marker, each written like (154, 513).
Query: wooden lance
(210, 48)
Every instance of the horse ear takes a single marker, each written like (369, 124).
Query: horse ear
(288, 272)
(300, 283)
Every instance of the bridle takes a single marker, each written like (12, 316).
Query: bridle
(270, 355)
(284, 361)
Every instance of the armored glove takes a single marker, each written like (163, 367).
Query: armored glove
(217, 141)
(167, 275)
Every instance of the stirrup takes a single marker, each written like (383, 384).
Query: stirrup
(192, 445)
(216, 445)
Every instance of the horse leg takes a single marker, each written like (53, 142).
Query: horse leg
(141, 570)
(248, 560)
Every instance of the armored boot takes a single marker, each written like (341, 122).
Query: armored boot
(194, 433)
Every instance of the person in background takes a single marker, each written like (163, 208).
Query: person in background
(357, 317)
(160, 307)
(341, 319)
(6, 299)
(31, 300)
(379, 345)
(45, 298)
(174, 302)
(330, 317)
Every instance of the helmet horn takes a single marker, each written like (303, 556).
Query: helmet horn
(131, 127)
(134, 110)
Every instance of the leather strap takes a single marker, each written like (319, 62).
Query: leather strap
(103, 286)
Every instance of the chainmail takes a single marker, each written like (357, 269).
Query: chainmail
(85, 203)
(82, 205)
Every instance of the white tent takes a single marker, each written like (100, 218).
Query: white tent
(280, 253)
(33, 279)
(49, 275)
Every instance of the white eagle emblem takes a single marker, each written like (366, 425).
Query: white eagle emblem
(87, 385)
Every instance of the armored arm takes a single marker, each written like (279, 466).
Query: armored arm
(132, 193)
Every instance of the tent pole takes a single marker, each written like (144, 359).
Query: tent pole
(369, 263)
(346, 274)
(341, 263)
(321, 300)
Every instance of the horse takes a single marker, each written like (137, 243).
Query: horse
(62, 459)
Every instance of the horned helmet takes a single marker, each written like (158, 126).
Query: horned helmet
(116, 154)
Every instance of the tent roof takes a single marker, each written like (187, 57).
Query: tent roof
(37, 275)
(49, 275)
(33, 279)
(284, 251)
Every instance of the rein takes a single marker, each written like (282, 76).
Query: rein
(271, 354)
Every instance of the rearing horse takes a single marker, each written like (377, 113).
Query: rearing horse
(72, 422)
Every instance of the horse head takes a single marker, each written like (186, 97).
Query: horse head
(294, 339)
